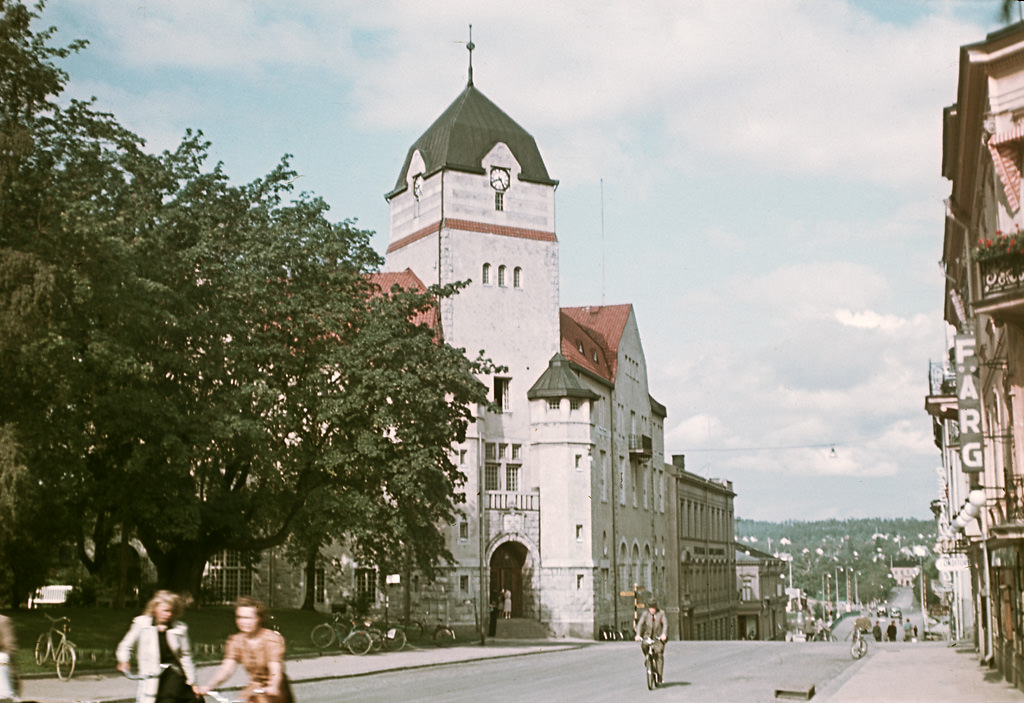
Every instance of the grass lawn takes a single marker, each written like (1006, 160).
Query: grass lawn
(96, 632)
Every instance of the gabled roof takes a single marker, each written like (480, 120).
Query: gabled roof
(463, 135)
(559, 381)
(597, 329)
(407, 280)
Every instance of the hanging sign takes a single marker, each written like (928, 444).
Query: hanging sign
(969, 403)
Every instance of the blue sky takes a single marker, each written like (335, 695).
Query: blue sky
(772, 199)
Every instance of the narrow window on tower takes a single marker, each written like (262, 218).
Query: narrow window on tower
(501, 399)
(485, 275)
(499, 202)
(501, 276)
(517, 277)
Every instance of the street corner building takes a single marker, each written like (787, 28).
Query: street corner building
(976, 395)
(572, 515)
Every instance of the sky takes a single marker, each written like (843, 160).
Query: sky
(760, 180)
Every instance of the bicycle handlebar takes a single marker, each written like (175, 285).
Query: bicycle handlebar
(142, 677)
(54, 621)
(220, 698)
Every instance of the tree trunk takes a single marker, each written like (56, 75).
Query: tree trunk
(180, 569)
(312, 556)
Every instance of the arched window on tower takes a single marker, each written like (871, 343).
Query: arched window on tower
(485, 275)
(517, 277)
(501, 275)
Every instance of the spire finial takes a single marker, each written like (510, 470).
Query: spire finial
(470, 45)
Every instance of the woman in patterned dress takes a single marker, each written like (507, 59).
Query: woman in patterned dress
(260, 651)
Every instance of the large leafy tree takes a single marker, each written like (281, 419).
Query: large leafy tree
(203, 365)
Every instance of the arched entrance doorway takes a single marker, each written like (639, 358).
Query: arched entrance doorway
(507, 574)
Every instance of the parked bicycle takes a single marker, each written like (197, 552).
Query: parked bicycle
(413, 629)
(443, 635)
(392, 638)
(343, 633)
(54, 645)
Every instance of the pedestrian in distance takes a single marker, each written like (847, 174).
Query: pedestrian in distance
(877, 631)
(260, 651)
(163, 653)
(890, 632)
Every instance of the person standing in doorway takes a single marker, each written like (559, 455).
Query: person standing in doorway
(506, 606)
(492, 617)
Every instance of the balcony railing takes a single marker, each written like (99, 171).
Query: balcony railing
(1002, 287)
(513, 500)
(640, 445)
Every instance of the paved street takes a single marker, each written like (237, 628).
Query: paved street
(587, 672)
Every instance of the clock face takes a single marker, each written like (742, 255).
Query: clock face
(417, 186)
(499, 179)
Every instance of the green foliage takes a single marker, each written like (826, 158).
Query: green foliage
(197, 364)
(866, 547)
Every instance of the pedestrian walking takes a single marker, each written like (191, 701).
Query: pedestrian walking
(163, 652)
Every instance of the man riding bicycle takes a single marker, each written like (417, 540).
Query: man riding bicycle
(652, 624)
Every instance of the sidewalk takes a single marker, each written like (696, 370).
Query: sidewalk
(913, 672)
(111, 687)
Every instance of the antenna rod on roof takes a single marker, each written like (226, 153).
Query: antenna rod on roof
(602, 242)
(470, 45)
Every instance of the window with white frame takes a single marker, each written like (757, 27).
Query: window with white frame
(228, 575)
(517, 277)
(501, 393)
(501, 276)
(511, 477)
(491, 477)
(485, 275)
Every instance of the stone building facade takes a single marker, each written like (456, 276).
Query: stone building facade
(980, 513)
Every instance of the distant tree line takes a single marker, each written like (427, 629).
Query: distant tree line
(863, 548)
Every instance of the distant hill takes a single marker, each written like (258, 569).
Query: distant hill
(859, 550)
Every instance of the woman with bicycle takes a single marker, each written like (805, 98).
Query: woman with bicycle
(162, 650)
(260, 651)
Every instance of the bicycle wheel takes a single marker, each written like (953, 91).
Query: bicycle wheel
(394, 639)
(376, 638)
(414, 631)
(859, 649)
(41, 648)
(66, 658)
(322, 636)
(443, 636)
(358, 642)
(650, 672)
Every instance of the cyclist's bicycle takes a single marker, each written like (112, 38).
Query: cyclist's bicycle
(859, 646)
(54, 645)
(220, 698)
(650, 664)
(345, 634)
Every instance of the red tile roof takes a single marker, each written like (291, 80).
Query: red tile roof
(597, 329)
(409, 281)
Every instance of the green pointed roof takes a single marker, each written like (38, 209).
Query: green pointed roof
(464, 133)
(559, 381)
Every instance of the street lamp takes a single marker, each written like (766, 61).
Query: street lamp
(838, 569)
(921, 552)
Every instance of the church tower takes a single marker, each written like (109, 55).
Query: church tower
(473, 201)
